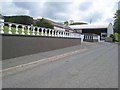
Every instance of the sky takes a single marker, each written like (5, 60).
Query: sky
(96, 11)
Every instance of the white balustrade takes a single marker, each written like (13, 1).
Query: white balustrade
(10, 29)
(16, 32)
(1, 28)
(38, 33)
(28, 30)
(47, 32)
(23, 33)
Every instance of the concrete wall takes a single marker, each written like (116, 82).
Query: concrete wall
(0, 47)
(16, 46)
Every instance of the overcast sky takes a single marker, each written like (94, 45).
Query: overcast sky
(99, 11)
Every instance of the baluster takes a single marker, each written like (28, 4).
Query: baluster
(33, 33)
(38, 31)
(2, 28)
(16, 32)
(69, 35)
(58, 34)
(55, 33)
(28, 30)
(66, 34)
(42, 33)
(49, 32)
(52, 32)
(45, 32)
(23, 30)
(72, 35)
(10, 29)
(63, 34)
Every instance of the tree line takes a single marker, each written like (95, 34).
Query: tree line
(117, 22)
(117, 26)
(27, 20)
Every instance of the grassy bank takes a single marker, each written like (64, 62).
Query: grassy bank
(117, 37)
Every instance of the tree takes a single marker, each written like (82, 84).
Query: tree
(117, 22)
(66, 23)
(27, 20)
(43, 23)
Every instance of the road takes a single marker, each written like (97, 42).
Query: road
(96, 67)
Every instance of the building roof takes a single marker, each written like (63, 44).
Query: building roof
(89, 26)
(57, 24)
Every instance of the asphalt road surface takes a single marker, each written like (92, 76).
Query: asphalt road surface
(97, 67)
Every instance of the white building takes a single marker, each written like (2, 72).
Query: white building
(104, 30)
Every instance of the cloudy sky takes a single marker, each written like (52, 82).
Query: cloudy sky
(99, 11)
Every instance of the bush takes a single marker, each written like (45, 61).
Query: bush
(117, 37)
(27, 20)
